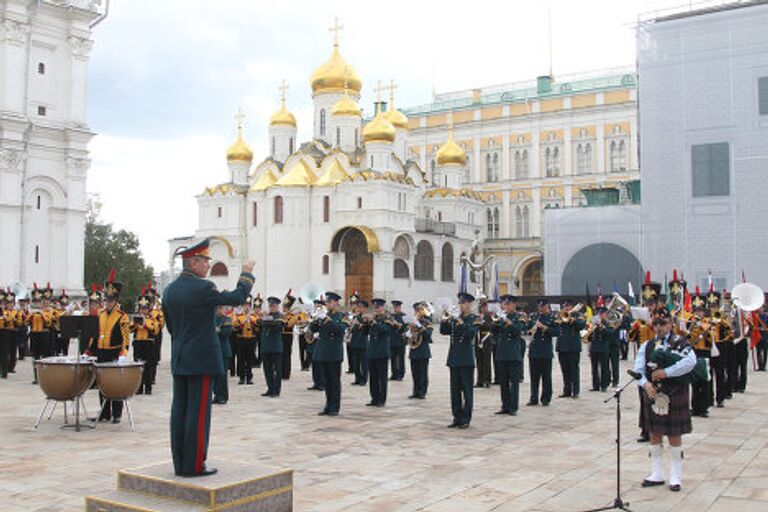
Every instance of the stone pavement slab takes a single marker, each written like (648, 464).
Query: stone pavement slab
(397, 458)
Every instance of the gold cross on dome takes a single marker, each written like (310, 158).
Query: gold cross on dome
(239, 117)
(391, 88)
(378, 90)
(336, 28)
(283, 87)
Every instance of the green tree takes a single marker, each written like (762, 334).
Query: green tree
(106, 249)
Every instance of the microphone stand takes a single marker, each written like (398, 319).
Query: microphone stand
(618, 503)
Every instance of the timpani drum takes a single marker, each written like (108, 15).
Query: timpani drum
(64, 378)
(119, 381)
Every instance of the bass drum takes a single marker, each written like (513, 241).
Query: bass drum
(64, 378)
(119, 381)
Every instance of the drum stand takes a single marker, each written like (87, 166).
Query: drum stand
(618, 503)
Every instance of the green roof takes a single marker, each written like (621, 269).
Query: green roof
(522, 91)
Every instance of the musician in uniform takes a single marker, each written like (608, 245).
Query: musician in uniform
(318, 379)
(419, 335)
(640, 333)
(569, 348)
(22, 333)
(378, 353)
(61, 309)
(352, 301)
(740, 358)
(156, 312)
(40, 321)
(305, 357)
(223, 332)
(600, 338)
(668, 414)
(245, 326)
(112, 343)
(360, 329)
(291, 319)
(13, 335)
(397, 341)
(509, 349)
(271, 326)
(762, 345)
(7, 333)
(145, 329)
(700, 335)
(461, 359)
(540, 354)
(329, 351)
(484, 344)
(189, 307)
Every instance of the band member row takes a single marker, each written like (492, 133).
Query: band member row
(462, 327)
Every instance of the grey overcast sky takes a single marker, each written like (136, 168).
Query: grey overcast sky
(167, 78)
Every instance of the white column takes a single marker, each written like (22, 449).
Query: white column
(534, 157)
(567, 152)
(505, 167)
(80, 50)
(600, 148)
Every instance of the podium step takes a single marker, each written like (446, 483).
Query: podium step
(235, 488)
(123, 501)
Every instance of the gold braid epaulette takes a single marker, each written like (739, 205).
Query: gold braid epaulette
(246, 279)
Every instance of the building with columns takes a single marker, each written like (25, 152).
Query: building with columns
(347, 210)
(44, 52)
(533, 145)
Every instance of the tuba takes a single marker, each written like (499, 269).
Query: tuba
(616, 309)
(311, 292)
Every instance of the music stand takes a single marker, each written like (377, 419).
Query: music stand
(618, 503)
(80, 328)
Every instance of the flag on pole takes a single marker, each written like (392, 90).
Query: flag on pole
(600, 303)
(588, 304)
(495, 281)
(463, 280)
(631, 293)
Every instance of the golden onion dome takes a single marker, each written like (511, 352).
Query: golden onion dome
(346, 106)
(282, 117)
(396, 117)
(239, 151)
(451, 153)
(379, 129)
(333, 74)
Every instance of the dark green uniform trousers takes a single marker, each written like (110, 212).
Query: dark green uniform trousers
(462, 394)
(273, 372)
(509, 381)
(420, 374)
(190, 422)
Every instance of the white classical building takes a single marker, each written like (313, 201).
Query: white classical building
(346, 210)
(44, 52)
(703, 110)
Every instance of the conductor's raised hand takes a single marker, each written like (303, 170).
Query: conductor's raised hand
(248, 266)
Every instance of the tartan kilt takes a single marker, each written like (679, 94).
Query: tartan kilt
(677, 421)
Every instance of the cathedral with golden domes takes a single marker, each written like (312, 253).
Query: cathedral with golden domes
(347, 210)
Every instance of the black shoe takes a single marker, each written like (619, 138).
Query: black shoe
(502, 411)
(333, 413)
(34, 381)
(249, 382)
(115, 420)
(140, 392)
(512, 413)
(421, 397)
(544, 404)
(454, 424)
(323, 413)
(651, 483)
(643, 438)
(704, 414)
(103, 420)
(594, 389)
(266, 394)
(380, 404)
(371, 404)
(478, 385)
(393, 378)
(314, 388)
(240, 382)
(412, 396)
(532, 403)
(464, 425)
(564, 395)
(575, 396)
(674, 488)
(204, 472)
(720, 405)
(148, 391)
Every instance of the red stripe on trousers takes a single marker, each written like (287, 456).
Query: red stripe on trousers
(200, 459)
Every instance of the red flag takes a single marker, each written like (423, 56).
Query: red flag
(687, 301)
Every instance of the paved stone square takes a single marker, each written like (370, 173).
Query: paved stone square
(401, 457)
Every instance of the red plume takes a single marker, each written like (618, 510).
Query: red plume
(35, 285)
(94, 288)
(111, 277)
(674, 274)
(698, 290)
(48, 286)
(143, 291)
(648, 277)
(101, 286)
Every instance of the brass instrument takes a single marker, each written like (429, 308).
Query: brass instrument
(416, 328)
(570, 316)
(595, 324)
(617, 307)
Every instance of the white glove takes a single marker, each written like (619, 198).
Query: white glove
(316, 335)
(408, 334)
(322, 315)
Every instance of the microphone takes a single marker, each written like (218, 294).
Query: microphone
(635, 375)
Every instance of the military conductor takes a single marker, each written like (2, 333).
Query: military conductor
(189, 305)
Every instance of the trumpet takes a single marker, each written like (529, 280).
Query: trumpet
(451, 313)
(570, 316)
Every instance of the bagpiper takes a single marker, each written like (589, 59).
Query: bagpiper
(641, 332)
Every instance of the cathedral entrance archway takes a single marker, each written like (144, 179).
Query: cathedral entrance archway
(532, 282)
(358, 243)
